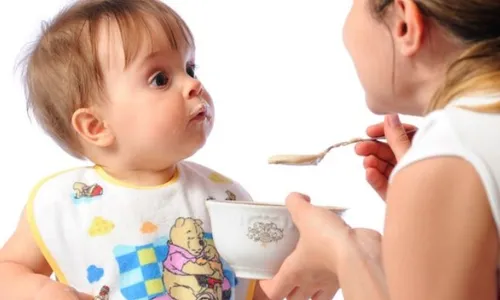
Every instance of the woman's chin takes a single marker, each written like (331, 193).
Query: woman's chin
(375, 107)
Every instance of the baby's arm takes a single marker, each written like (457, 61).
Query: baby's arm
(24, 272)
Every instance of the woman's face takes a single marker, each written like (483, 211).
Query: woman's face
(398, 65)
(370, 46)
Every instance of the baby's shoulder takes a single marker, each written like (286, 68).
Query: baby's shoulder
(61, 181)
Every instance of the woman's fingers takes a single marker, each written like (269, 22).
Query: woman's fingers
(299, 294)
(379, 162)
(298, 204)
(377, 130)
(379, 149)
(396, 136)
(380, 158)
(284, 281)
(371, 161)
(377, 180)
(327, 294)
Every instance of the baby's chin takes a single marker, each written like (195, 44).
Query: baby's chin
(196, 143)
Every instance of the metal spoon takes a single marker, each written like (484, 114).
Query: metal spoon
(315, 159)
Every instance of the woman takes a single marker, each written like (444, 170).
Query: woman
(439, 59)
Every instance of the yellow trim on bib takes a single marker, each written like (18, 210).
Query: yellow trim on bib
(105, 176)
(251, 289)
(34, 228)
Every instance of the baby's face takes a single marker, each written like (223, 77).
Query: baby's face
(157, 109)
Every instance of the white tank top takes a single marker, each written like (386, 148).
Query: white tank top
(143, 242)
(473, 136)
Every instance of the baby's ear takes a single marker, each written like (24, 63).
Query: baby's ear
(91, 128)
(199, 222)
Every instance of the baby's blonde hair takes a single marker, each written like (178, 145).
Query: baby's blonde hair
(62, 71)
(477, 25)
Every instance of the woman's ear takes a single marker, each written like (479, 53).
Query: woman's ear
(409, 27)
(91, 128)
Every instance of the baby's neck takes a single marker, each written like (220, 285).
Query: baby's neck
(138, 177)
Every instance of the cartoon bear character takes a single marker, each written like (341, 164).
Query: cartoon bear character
(192, 269)
(83, 190)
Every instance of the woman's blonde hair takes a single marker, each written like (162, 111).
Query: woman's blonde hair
(477, 24)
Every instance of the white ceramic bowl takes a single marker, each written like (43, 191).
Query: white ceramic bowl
(253, 238)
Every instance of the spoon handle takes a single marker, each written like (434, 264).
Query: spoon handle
(357, 140)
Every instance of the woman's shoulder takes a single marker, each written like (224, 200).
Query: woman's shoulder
(460, 126)
(459, 131)
(466, 135)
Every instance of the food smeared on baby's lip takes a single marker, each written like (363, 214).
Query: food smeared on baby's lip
(202, 113)
(200, 116)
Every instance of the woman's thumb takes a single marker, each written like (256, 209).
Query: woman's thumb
(396, 135)
(297, 204)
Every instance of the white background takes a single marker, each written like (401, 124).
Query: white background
(281, 81)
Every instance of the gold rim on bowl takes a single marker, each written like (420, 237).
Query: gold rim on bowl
(336, 209)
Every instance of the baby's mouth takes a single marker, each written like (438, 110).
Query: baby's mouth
(201, 112)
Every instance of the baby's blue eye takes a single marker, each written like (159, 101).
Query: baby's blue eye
(160, 80)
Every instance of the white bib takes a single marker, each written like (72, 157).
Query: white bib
(143, 242)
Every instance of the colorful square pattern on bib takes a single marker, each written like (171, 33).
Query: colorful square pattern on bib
(141, 269)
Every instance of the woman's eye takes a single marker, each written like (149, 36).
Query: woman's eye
(160, 80)
(191, 70)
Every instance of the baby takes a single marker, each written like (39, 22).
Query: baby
(113, 81)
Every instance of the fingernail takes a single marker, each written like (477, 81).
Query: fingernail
(307, 198)
(394, 120)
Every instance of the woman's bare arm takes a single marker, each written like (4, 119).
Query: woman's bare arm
(440, 239)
